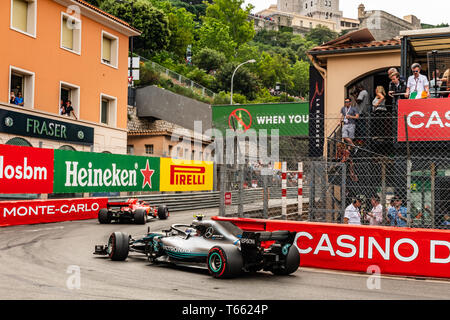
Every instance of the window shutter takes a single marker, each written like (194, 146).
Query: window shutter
(106, 54)
(67, 35)
(20, 13)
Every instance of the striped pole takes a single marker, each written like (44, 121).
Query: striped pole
(300, 188)
(284, 190)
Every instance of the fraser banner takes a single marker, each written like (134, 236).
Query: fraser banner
(35, 170)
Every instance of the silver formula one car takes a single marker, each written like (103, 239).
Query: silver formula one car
(219, 246)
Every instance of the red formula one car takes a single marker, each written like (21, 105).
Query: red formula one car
(133, 210)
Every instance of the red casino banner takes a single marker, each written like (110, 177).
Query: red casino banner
(25, 170)
(45, 211)
(426, 119)
(398, 251)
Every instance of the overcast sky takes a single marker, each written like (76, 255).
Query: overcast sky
(428, 11)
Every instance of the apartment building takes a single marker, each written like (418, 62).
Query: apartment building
(56, 51)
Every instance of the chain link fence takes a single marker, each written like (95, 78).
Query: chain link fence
(385, 161)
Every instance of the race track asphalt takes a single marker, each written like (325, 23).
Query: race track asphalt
(38, 261)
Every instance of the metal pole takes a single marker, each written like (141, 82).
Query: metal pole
(300, 189)
(222, 190)
(433, 190)
(383, 187)
(343, 191)
(283, 190)
(266, 197)
(241, 191)
(232, 77)
(312, 192)
(408, 191)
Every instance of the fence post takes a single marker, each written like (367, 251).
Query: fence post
(383, 188)
(222, 183)
(312, 191)
(300, 189)
(433, 190)
(343, 191)
(283, 190)
(266, 197)
(408, 191)
(241, 191)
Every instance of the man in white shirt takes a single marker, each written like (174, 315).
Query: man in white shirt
(375, 216)
(352, 215)
(417, 84)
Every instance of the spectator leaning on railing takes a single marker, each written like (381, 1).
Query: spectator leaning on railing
(396, 86)
(417, 86)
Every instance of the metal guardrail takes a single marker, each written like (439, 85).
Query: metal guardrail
(180, 79)
(202, 200)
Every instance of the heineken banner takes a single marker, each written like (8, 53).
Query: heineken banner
(35, 170)
(291, 119)
(104, 172)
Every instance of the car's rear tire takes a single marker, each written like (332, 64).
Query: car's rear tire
(163, 212)
(103, 216)
(140, 216)
(118, 246)
(225, 261)
(291, 263)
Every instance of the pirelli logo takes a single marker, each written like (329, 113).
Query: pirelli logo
(186, 176)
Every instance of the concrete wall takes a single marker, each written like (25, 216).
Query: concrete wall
(159, 103)
(384, 26)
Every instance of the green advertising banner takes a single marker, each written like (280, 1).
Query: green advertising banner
(292, 119)
(77, 171)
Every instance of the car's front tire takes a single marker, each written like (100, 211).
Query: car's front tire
(140, 216)
(103, 216)
(118, 246)
(225, 261)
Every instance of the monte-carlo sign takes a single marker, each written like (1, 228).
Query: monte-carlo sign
(35, 170)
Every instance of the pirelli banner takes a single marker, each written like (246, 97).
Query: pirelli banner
(34, 170)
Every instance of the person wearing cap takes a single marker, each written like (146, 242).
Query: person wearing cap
(352, 214)
(375, 216)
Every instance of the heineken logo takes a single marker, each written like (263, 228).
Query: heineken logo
(147, 174)
(113, 176)
(9, 122)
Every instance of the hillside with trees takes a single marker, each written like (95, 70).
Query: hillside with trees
(220, 37)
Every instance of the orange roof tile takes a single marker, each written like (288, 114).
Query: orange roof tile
(86, 4)
(346, 46)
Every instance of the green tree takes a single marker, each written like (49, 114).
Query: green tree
(152, 22)
(273, 69)
(321, 34)
(300, 76)
(209, 59)
(231, 14)
(244, 82)
(215, 35)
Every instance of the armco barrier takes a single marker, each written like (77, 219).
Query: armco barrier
(396, 251)
(45, 211)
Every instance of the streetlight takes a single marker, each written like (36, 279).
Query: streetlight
(232, 77)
